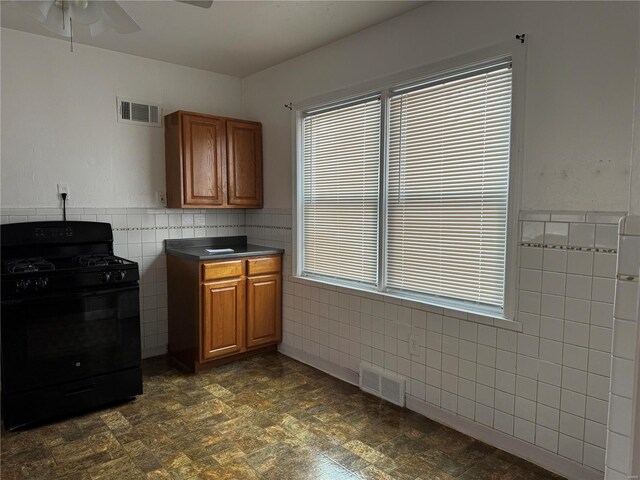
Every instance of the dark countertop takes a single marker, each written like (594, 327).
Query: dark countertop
(194, 248)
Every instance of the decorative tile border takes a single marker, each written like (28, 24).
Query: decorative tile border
(585, 232)
(268, 227)
(568, 247)
(176, 227)
(14, 211)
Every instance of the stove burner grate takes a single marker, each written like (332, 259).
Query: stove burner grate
(34, 264)
(97, 260)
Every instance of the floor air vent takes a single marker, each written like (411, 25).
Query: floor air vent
(382, 384)
(138, 112)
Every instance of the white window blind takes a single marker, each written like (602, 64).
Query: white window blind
(341, 158)
(448, 184)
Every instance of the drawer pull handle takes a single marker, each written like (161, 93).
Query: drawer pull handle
(79, 390)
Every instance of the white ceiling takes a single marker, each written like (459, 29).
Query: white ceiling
(233, 37)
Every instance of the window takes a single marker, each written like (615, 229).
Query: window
(448, 184)
(406, 191)
(341, 169)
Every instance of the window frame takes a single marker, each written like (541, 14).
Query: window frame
(515, 52)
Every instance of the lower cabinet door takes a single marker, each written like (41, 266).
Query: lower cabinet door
(264, 304)
(223, 318)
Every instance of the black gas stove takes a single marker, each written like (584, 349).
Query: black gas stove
(81, 258)
(70, 321)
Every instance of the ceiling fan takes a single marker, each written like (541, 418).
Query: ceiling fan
(59, 16)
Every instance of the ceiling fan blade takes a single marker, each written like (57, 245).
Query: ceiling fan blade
(39, 9)
(99, 27)
(120, 19)
(198, 3)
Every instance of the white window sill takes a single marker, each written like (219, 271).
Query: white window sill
(440, 308)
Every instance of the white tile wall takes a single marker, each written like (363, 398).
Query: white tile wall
(623, 364)
(139, 234)
(545, 383)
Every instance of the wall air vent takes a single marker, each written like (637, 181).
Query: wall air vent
(385, 385)
(138, 112)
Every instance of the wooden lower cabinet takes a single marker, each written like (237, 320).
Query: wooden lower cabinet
(223, 318)
(217, 312)
(263, 310)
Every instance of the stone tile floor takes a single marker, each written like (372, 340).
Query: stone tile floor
(266, 417)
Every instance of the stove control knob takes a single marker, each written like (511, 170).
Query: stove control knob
(105, 277)
(41, 283)
(119, 275)
(22, 285)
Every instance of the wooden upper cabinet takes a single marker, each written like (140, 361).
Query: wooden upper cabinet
(203, 150)
(244, 163)
(212, 162)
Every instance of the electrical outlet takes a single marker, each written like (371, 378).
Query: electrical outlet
(162, 198)
(63, 188)
(414, 345)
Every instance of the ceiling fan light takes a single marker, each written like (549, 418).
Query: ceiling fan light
(79, 4)
(87, 15)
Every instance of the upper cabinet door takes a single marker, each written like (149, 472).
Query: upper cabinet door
(244, 164)
(203, 140)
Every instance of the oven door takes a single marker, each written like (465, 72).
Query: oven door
(56, 338)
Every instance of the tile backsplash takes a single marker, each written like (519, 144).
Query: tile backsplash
(566, 294)
(543, 379)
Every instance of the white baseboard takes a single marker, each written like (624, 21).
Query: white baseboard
(325, 366)
(154, 352)
(532, 453)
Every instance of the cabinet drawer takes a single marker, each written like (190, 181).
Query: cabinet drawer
(226, 269)
(258, 266)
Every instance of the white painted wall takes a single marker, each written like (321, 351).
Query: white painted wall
(59, 121)
(580, 89)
